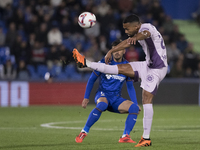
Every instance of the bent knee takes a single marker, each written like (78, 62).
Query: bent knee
(124, 106)
(134, 109)
(126, 69)
(102, 106)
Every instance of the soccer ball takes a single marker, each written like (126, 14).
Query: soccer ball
(87, 20)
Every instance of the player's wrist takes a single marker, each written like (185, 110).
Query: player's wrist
(136, 38)
(111, 51)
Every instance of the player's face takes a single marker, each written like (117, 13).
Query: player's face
(118, 55)
(131, 28)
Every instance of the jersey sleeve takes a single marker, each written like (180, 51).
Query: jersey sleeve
(131, 91)
(90, 83)
(147, 26)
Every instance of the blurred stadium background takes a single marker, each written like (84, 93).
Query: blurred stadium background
(37, 36)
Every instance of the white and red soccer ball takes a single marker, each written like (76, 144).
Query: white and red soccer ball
(86, 20)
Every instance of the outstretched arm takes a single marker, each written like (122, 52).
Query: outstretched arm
(139, 36)
(89, 87)
(131, 92)
(124, 44)
(127, 43)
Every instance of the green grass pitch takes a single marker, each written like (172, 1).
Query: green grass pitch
(55, 128)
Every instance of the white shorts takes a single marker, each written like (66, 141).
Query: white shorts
(150, 78)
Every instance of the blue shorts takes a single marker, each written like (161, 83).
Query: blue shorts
(113, 100)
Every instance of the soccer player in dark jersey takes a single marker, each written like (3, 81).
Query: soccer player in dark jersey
(108, 97)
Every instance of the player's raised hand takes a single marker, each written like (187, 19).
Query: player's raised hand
(108, 57)
(85, 102)
(132, 40)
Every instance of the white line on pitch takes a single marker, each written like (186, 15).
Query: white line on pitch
(14, 128)
(159, 128)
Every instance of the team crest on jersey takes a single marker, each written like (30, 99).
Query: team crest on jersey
(108, 76)
(102, 93)
(150, 78)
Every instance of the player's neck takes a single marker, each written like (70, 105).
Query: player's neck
(139, 26)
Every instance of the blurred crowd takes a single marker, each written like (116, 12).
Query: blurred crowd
(196, 14)
(37, 36)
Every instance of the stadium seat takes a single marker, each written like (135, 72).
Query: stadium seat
(2, 24)
(22, 34)
(31, 69)
(71, 72)
(62, 77)
(87, 76)
(15, 3)
(23, 75)
(41, 70)
(76, 77)
(70, 69)
(68, 44)
(55, 70)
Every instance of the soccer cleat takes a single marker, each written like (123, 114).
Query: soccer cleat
(80, 137)
(126, 139)
(143, 142)
(80, 59)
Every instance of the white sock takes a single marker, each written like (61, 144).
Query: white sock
(147, 120)
(123, 135)
(101, 67)
(84, 131)
(88, 63)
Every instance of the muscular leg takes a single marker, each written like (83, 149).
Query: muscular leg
(147, 98)
(124, 107)
(102, 99)
(133, 110)
(124, 69)
(95, 114)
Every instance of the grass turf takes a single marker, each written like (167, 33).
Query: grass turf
(174, 127)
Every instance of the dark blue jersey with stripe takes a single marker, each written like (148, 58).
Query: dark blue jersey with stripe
(111, 83)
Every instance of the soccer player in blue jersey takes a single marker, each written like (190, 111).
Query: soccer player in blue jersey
(108, 97)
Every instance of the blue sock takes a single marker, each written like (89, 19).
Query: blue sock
(131, 119)
(95, 115)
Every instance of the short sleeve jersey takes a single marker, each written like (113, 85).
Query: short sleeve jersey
(154, 47)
